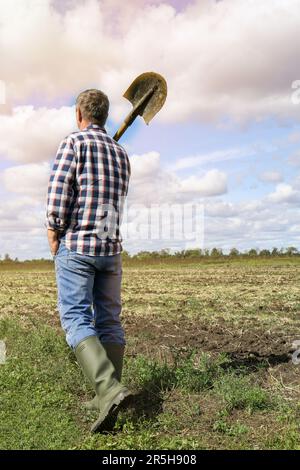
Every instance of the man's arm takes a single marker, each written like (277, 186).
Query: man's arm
(53, 240)
(60, 192)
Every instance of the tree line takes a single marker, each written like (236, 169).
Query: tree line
(191, 253)
(215, 253)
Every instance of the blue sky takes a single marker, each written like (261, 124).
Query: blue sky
(227, 138)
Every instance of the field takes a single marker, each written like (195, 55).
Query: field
(209, 348)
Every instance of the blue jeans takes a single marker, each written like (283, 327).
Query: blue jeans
(89, 296)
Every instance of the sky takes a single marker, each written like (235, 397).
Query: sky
(223, 153)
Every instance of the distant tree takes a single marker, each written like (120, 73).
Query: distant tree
(7, 257)
(193, 253)
(234, 252)
(215, 252)
(265, 253)
(275, 252)
(125, 254)
(16, 260)
(252, 252)
(179, 254)
(291, 251)
(165, 252)
(155, 254)
(143, 255)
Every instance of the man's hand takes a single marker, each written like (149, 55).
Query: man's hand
(53, 239)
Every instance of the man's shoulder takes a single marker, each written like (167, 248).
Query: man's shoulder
(119, 146)
(77, 137)
(69, 139)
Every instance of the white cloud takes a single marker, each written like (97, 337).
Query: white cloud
(151, 183)
(20, 214)
(213, 183)
(294, 159)
(33, 135)
(294, 137)
(284, 193)
(271, 177)
(28, 180)
(221, 209)
(218, 57)
(212, 157)
(257, 223)
(145, 166)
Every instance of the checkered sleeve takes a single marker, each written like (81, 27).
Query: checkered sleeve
(60, 186)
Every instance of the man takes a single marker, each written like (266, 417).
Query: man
(86, 191)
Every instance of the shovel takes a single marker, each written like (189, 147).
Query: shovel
(147, 94)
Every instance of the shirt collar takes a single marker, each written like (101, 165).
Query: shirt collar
(95, 126)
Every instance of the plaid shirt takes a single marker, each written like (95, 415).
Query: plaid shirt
(86, 192)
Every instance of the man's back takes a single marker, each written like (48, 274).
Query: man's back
(86, 192)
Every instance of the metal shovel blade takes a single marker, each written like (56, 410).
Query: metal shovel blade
(155, 87)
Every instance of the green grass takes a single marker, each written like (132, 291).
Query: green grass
(221, 425)
(239, 392)
(42, 389)
(189, 372)
(39, 387)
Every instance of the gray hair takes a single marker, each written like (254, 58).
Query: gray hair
(94, 106)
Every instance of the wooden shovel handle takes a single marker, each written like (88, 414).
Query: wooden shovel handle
(134, 113)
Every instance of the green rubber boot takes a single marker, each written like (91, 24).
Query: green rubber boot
(101, 373)
(115, 353)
